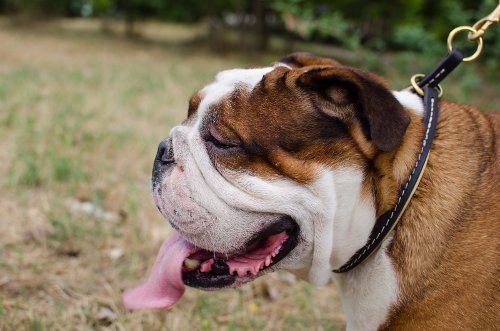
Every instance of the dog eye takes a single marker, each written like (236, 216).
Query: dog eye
(220, 144)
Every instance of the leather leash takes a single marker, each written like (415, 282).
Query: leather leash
(428, 87)
(388, 221)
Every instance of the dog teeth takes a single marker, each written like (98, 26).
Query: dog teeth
(191, 264)
(276, 251)
(242, 272)
(207, 265)
(268, 260)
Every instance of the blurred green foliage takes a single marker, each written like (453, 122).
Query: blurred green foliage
(415, 25)
(35, 7)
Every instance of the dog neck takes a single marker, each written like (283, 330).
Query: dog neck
(388, 288)
(372, 287)
(369, 291)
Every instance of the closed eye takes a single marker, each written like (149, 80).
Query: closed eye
(218, 142)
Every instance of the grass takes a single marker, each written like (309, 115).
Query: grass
(81, 116)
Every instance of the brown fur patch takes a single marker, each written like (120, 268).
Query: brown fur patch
(302, 59)
(446, 249)
(287, 124)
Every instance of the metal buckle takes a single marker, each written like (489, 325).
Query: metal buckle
(484, 24)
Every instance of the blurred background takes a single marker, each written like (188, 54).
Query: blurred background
(88, 88)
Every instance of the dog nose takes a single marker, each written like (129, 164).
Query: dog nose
(164, 158)
(165, 154)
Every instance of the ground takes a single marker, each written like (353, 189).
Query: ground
(81, 116)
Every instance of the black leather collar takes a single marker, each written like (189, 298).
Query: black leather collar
(388, 221)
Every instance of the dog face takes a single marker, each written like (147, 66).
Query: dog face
(270, 168)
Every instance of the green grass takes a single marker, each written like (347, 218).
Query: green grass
(81, 126)
(81, 116)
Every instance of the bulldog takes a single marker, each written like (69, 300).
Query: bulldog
(288, 166)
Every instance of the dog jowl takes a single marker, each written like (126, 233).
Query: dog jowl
(288, 166)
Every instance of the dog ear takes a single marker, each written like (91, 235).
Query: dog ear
(376, 106)
(303, 59)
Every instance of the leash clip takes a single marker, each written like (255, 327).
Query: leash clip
(484, 24)
(476, 32)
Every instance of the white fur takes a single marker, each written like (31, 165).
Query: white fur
(225, 82)
(410, 100)
(282, 65)
(221, 211)
(368, 291)
(354, 222)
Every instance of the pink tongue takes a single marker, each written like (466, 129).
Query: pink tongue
(164, 286)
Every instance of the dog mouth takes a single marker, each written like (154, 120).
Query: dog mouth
(212, 270)
(180, 263)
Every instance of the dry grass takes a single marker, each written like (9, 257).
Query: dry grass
(81, 114)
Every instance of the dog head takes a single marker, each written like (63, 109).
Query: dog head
(270, 167)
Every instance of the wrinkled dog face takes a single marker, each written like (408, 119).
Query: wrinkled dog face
(266, 164)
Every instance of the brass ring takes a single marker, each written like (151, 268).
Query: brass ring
(415, 85)
(440, 90)
(479, 42)
(419, 90)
